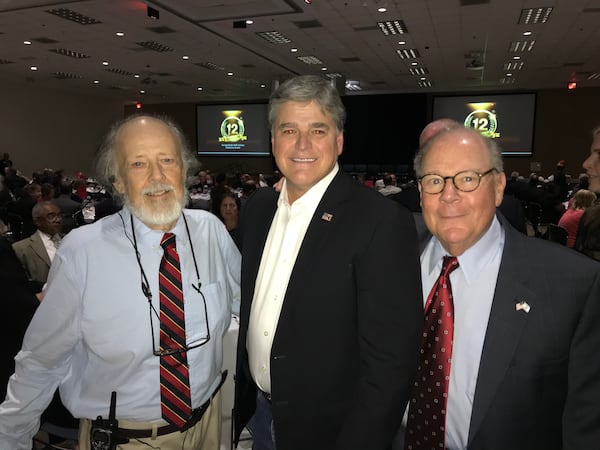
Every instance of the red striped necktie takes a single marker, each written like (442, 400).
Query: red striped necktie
(175, 399)
(426, 425)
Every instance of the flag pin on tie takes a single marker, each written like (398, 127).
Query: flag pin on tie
(327, 217)
(522, 306)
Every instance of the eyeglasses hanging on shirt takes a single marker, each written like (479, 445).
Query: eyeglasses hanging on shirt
(148, 294)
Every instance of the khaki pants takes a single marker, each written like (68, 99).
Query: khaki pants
(205, 435)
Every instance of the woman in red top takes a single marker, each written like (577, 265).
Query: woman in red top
(570, 219)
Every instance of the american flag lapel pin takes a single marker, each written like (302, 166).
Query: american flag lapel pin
(522, 305)
(327, 217)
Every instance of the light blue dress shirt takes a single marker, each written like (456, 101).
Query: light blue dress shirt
(91, 334)
(473, 285)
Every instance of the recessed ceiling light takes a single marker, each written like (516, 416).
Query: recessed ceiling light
(137, 75)
(263, 86)
(34, 68)
(229, 73)
(96, 81)
(199, 88)
(105, 63)
(382, 10)
(120, 33)
(293, 50)
(527, 33)
(509, 74)
(249, 22)
(186, 57)
(27, 42)
(402, 42)
(516, 57)
(414, 64)
(142, 92)
(323, 68)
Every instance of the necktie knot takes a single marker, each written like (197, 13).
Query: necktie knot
(449, 265)
(168, 240)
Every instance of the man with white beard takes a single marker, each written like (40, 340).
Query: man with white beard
(136, 304)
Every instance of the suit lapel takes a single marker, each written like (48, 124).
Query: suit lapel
(37, 246)
(505, 325)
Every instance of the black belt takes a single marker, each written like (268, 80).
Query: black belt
(167, 429)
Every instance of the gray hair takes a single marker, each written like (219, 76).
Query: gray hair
(306, 88)
(39, 208)
(494, 152)
(106, 160)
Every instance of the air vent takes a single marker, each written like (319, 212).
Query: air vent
(66, 76)
(512, 66)
(418, 71)
(162, 30)
(69, 14)
(308, 24)
(594, 76)
(155, 46)
(116, 71)
(69, 53)
(311, 60)
(425, 83)
(274, 37)
(209, 66)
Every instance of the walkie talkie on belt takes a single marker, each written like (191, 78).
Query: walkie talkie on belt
(104, 433)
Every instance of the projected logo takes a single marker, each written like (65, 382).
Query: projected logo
(232, 127)
(483, 119)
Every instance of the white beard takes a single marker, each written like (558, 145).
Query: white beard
(163, 214)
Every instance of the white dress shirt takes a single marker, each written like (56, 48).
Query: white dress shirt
(91, 334)
(50, 243)
(473, 286)
(279, 256)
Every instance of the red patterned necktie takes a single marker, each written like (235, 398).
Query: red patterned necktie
(175, 399)
(426, 426)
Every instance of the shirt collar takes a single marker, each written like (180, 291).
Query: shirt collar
(476, 257)
(313, 195)
(146, 235)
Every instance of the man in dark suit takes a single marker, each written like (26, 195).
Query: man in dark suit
(524, 370)
(329, 325)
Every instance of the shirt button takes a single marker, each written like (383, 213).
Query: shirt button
(266, 333)
(263, 368)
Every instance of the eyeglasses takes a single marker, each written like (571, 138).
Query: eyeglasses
(52, 216)
(176, 346)
(465, 181)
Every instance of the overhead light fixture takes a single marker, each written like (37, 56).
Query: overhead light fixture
(27, 42)
(392, 27)
(34, 68)
(535, 15)
(572, 85)
(154, 14)
(381, 10)
(120, 33)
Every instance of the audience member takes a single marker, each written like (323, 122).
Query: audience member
(27, 198)
(514, 338)
(68, 207)
(389, 185)
(37, 251)
(18, 307)
(228, 213)
(582, 200)
(13, 180)
(48, 192)
(97, 330)
(330, 293)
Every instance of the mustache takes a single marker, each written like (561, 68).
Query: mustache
(158, 187)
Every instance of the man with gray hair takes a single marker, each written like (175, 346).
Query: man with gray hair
(510, 333)
(137, 304)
